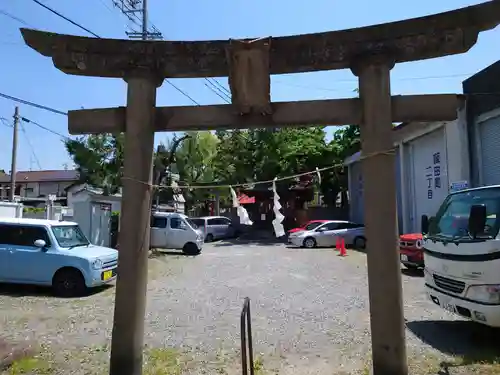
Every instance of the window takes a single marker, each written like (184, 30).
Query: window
(176, 223)
(219, 221)
(69, 236)
(354, 225)
(329, 226)
(211, 222)
(22, 235)
(312, 226)
(158, 222)
(200, 223)
(452, 218)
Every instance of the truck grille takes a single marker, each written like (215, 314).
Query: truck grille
(406, 243)
(450, 285)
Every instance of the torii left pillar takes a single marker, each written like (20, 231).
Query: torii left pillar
(131, 285)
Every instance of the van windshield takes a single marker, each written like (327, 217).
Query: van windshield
(69, 236)
(191, 223)
(452, 219)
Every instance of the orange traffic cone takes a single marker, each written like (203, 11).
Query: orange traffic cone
(337, 244)
(343, 251)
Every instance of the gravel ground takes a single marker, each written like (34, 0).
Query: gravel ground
(309, 314)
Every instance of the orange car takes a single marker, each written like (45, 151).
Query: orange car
(411, 252)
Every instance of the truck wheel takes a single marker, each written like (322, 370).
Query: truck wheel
(69, 282)
(209, 238)
(191, 249)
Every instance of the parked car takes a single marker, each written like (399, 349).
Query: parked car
(411, 250)
(171, 230)
(53, 253)
(215, 227)
(326, 235)
(310, 225)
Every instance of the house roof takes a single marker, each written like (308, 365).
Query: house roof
(42, 176)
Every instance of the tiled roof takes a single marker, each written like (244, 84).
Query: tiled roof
(42, 176)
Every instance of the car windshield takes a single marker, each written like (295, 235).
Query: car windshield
(452, 219)
(69, 236)
(312, 226)
(191, 223)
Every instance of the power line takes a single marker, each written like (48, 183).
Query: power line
(31, 146)
(97, 36)
(27, 102)
(65, 18)
(15, 18)
(45, 128)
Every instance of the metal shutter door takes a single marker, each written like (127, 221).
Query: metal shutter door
(490, 151)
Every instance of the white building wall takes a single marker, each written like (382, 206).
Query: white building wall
(416, 147)
(428, 180)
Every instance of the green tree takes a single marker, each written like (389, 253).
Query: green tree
(194, 163)
(99, 160)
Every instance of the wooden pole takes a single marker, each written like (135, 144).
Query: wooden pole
(384, 270)
(13, 167)
(130, 304)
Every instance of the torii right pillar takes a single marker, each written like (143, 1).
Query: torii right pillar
(381, 226)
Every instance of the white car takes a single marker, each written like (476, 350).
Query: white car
(326, 234)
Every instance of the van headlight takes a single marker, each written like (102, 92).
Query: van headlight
(419, 244)
(96, 264)
(484, 293)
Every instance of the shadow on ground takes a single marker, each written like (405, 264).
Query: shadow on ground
(412, 272)
(473, 342)
(249, 241)
(21, 290)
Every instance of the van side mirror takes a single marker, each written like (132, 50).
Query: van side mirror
(477, 219)
(40, 244)
(424, 224)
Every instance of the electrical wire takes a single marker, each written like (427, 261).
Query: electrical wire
(27, 102)
(44, 128)
(15, 18)
(64, 17)
(23, 130)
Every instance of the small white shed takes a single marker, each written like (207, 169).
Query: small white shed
(11, 209)
(92, 211)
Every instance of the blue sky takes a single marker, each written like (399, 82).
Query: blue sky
(25, 74)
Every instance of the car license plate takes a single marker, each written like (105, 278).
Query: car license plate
(404, 258)
(106, 275)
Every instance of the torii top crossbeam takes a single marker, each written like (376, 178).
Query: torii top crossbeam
(427, 37)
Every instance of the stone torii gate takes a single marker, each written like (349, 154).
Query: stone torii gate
(370, 52)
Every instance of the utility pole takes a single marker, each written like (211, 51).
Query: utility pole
(14, 156)
(137, 13)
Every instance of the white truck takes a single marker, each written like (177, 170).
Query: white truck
(462, 254)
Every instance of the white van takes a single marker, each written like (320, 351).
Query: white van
(171, 230)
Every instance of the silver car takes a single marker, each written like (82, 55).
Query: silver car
(326, 235)
(215, 227)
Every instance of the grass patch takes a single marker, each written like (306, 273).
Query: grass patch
(31, 365)
(163, 362)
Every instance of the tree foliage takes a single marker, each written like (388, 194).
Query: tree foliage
(99, 160)
(227, 157)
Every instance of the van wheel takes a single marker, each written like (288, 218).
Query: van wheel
(209, 238)
(191, 249)
(69, 282)
(360, 243)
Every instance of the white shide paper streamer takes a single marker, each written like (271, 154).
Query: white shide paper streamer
(278, 216)
(240, 211)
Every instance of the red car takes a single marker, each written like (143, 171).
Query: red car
(310, 225)
(410, 250)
